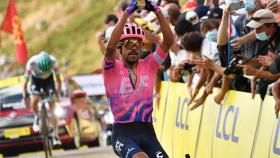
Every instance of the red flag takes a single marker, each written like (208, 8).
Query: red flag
(12, 25)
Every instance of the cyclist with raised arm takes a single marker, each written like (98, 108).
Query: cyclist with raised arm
(41, 68)
(129, 84)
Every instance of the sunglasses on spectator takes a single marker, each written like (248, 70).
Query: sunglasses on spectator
(260, 18)
(132, 44)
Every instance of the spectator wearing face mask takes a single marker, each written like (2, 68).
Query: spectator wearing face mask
(249, 49)
(209, 28)
(266, 29)
(246, 41)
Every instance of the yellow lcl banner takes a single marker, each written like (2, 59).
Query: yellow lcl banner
(239, 127)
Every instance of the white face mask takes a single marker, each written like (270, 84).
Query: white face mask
(212, 35)
(249, 5)
(262, 36)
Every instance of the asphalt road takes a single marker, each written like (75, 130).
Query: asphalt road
(101, 152)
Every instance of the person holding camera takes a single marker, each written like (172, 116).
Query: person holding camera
(129, 84)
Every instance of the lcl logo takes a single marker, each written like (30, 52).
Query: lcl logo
(221, 133)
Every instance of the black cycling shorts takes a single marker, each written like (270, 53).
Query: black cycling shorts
(131, 138)
(47, 85)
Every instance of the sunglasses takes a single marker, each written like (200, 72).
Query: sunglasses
(260, 18)
(132, 44)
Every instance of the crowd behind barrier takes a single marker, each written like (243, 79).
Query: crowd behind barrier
(217, 44)
(238, 127)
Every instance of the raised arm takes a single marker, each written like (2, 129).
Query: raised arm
(222, 32)
(114, 40)
(117, 32)
(168, 38)
(27, 74)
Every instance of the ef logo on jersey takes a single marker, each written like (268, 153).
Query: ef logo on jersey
(159, 154)
(119, 146)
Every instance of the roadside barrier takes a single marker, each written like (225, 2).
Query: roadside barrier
(240, 127)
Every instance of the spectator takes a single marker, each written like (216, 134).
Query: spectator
(266, 29)
(111, 20)
(214, 13)
(183, 26)
(173, 11)
(209, 49)
(192, 43)
(202, 11)
(104, 35)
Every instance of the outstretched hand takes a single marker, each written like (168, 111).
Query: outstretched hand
(236, 43)
(152, 6)
(193, 96)
(266, 60)
(203, 62)
(253, 86)
(200, 101)
(273, 6)
(248, 70)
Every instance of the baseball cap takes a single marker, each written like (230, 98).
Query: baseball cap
(189, 17)
(215, 13)
(275, 66)
(260, 17)
(192, 17)
(183, 26)
(201, 10)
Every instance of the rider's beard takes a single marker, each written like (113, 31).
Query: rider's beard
(132, 57)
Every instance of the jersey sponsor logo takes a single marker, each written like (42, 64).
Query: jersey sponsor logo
(128, 151)
(159, 154)
(119, 146)
(144, 81)
(126, 87)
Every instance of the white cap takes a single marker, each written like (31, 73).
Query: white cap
(192, 17)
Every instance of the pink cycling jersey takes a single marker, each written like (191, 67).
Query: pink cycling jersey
(129, 104)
